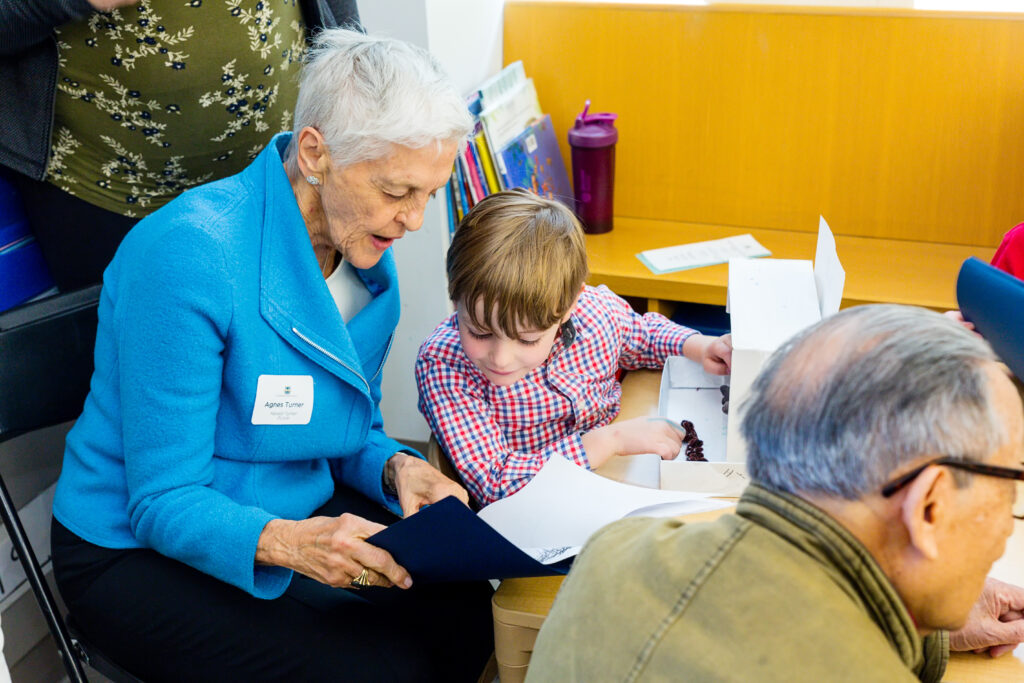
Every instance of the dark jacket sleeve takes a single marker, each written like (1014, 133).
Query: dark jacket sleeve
(24, 23)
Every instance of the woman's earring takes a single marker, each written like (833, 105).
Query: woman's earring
(312, 180)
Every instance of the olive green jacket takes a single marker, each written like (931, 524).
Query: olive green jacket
(777, 592)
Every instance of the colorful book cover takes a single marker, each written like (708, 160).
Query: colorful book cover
(474, 153)
(460, 190)
(493, 185)
(472, 176)
(532, 160)
(449, 196)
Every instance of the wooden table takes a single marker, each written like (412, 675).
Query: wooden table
(877, 270)
(520, 605)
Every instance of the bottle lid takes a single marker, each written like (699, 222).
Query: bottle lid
(593, 130)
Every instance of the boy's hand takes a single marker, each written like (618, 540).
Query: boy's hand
(629, 437)
(713, 353)
(718, 355)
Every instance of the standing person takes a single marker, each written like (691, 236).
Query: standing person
(884, 446)
(527, 367)
(1010, 254)
(111, 108)
(212, 515)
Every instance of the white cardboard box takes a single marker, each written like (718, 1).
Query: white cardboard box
(769, 301)
(689, 393)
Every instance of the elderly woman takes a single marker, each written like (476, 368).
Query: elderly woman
(230, 462)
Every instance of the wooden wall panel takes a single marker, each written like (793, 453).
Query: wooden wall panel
(891, 124)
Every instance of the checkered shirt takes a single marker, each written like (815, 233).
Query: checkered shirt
(499, 437)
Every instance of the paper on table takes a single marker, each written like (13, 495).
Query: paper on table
(641, 469)
(698, 254)
(829, 276)
(564, 504)
(709, 478)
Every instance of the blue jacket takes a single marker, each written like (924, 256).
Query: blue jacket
(204, 296)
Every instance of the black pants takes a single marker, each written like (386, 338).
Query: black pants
(164, 621)
(78, 239)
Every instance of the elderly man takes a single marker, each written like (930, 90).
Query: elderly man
(882, 443)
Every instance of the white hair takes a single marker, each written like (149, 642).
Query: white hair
(366, 93)
(861, 395)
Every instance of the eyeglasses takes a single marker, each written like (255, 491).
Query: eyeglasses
(967, 465)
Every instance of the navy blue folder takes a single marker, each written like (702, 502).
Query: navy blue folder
(994, 301)
(446, 541)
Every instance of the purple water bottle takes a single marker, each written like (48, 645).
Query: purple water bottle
(593, 139)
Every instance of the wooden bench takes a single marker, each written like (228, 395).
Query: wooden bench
(904, 128)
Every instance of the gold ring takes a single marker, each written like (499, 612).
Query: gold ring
(363, 580)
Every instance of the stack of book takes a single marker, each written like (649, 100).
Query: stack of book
(513, 144)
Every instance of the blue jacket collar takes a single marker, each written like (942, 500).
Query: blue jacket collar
(294, 298)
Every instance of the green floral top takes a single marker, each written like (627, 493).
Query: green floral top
(163, 95)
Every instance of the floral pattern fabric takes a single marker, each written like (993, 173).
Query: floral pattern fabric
(163, 95)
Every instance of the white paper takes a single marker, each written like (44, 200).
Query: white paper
(711, 478)
(698, 254)
(829, 276)
(642, 469)
(564, 504)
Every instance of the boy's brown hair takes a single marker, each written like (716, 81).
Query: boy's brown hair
(522, 256)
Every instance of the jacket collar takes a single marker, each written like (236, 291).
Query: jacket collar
(817, 534)
(294, 298)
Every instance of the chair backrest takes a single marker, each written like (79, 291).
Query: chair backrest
(46, 361)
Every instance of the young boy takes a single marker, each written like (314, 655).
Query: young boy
(526, 368)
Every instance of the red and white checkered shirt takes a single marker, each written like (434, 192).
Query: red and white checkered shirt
(499, 437)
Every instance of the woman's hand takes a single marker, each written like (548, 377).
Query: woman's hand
(332, 550)
(713, 353)
(959, 317)
(419, 484)
(629, 437)
(107, 5)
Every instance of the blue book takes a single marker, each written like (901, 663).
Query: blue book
(446, 541)
(462, 190)
(993, 300)
(533, 160)
(449, 196)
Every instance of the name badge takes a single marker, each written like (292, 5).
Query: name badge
(283, 400)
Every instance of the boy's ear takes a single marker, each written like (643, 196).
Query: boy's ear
(565, 318)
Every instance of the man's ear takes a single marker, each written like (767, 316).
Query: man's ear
(312, 156)
(924, 507)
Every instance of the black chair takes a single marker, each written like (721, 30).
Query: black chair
(46, 362)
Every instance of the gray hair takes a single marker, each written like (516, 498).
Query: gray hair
(845, 404)
(365, 93)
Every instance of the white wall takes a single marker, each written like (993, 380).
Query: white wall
(465, 35)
